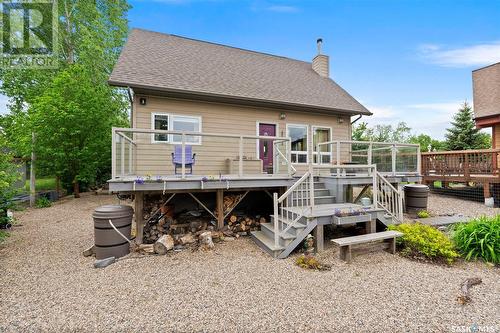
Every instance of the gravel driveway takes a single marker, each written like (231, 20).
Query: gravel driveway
(47, 285)
(444, 205)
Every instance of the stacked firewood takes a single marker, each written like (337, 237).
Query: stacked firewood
(241, 225)
(229, 202)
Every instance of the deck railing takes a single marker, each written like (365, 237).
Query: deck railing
(462, 163)
(147, 153)
(389, 157)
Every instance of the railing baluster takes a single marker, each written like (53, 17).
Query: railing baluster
(276, 219)
(183, 154)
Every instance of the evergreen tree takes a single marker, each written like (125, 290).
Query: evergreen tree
(463, 134)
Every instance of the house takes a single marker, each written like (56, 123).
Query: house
(209, 119)
(486, 90)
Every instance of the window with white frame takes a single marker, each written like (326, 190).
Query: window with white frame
(322, 134)
(187, 124)
(162, 121)
(299, 140)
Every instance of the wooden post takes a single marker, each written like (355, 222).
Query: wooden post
(32, 172)
(486, 190)
(139, 213)
(371, 226)
(319, 236)
(220, 208)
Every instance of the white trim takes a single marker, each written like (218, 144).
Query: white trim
(153, 115)
(257, 125)
(171, 124)
(313, 127)
(171, 117)
(308, 127)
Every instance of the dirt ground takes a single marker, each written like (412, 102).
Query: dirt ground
(48, 286)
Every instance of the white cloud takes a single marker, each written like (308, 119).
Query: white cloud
(475, 55)
(283, 9)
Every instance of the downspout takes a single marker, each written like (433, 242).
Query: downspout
(131, 100)
(355, 120)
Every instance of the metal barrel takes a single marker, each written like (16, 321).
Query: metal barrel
(108, 243)
(416, 196)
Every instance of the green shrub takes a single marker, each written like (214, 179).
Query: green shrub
(480, 238)
(421, 240)
(423, 214)
(309, 262)
(3, 235)
(43, 202)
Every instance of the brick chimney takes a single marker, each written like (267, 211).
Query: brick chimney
(320, 63)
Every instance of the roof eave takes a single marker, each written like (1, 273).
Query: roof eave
(197, 95)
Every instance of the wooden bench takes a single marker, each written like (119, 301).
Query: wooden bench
(346, 242)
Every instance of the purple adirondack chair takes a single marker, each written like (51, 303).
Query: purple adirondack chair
(189, 159)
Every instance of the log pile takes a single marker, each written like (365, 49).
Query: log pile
(164, 231)
(237, 226)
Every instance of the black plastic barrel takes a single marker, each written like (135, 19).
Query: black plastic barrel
(416, 197)
(108, 243)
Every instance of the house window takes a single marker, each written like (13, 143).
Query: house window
(322, 134)
(160, 122)
(299, 138)
(188, 124)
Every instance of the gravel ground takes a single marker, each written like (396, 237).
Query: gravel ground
(443, 205)
(47, 285)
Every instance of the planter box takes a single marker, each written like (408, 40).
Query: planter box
(351, 219)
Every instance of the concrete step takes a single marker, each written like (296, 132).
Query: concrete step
(266, 243)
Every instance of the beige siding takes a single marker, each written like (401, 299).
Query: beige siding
(211, 155)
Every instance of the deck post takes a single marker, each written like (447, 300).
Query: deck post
(183, 154)
(370, 152)
(393, 159)
(220, 208)
(276, 219)
(122, 157)
(486, 190)
(319, 235)
(240, 161)
(138, 212)
(113, 153)
(289, 156)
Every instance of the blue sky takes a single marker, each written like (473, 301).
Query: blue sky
(405, 60)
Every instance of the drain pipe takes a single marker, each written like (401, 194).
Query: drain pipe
(355, 120)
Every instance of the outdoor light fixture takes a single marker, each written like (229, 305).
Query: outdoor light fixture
(282, 116)
(340, 120)
(142, 101)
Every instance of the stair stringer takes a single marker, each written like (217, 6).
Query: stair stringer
(303, 234)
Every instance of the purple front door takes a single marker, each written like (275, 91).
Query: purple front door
(266, 146)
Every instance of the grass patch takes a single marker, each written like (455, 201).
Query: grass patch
(480, 238)
(420, 241)
(3, 235)
(42, 184)
(423, 214)
(43, 202)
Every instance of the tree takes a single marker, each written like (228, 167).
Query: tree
(427, 143)
(463, 134)
(71, 109)
(8, 176)
(381, 133)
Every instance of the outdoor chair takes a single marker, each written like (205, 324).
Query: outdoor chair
(189, 159)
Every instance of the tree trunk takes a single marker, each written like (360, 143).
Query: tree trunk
(76, 189)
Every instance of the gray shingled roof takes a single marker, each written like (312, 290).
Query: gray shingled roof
(166, 62)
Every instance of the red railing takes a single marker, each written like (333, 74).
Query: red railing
(461, 163)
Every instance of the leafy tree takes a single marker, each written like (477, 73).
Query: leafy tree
(463, 134)
(381, 133)
(8, 176)
(427, 143)
(71, 109)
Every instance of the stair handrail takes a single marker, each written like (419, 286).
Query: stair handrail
(280, 203)
(395, 206)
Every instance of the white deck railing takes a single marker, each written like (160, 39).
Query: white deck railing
(389, 157)
(132, 150)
